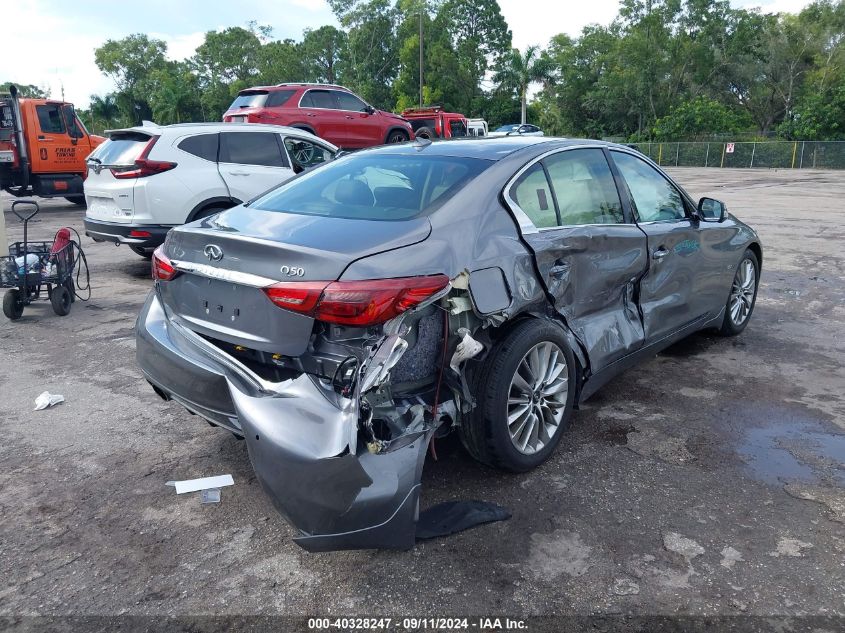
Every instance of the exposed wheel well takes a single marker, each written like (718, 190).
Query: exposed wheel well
(304, 128)
(220, 202)
(758, 251)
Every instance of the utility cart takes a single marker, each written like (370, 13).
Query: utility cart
(33, 269)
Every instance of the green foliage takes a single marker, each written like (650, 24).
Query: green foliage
(697, 120)
(24, 90)
(662, 70)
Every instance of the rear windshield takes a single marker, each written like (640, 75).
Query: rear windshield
(120, 149)
(249, 100)
(386, 187)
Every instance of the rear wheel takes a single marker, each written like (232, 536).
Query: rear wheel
(60, 300)
(743, 295)
(397, 136)
(425, 132)
(12, 304)
(525, 392)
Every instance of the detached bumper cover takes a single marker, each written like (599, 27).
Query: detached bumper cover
(301, 437)
(120, 233)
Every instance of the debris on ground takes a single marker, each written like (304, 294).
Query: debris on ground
(47, 399)
(451, 517)
(682, 545)
(790, 547)
(204, 483)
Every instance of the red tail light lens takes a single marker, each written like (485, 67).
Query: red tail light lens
(163, 270)
(355, 303)
(144, 166)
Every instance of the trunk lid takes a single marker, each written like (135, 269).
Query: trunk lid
(111, 199)
(225, 260)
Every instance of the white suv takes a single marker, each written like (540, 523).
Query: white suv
(145, 180)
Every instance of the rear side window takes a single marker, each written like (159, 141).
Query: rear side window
(252, 99)
(50, 119)
(202, 145)
(120, 149)
(252, 148)
(381, 187)
(584, 188)
(533, 194)
(319, 99)
(278, 98)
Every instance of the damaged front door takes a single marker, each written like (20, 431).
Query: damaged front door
(589, 253)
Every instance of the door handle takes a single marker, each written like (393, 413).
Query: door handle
(349, 117)
(659, 254)
(238, 173)
(310, 114)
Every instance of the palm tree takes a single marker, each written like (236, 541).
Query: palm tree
(520, 70)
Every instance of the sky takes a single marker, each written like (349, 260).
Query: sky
(56, 43)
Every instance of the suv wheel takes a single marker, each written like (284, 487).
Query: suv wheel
(397, 136)
(525, 392)
(425, 132)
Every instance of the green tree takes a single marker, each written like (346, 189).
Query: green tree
(25, 90)
(323, 51)
(519, 70)
(280, 62)
(698, 119)
(174, 94)
(128, 62)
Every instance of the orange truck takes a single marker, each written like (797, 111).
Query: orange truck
(43, 147)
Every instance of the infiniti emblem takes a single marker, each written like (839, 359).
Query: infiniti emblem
(213, 252)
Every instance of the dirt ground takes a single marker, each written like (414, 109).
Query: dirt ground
(708, 480)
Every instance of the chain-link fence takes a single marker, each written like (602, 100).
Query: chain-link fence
(765, 154)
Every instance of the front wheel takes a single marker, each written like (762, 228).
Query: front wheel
(397, 136)
(743, 295)
(525, 393)
(60, 300)
(12, 304)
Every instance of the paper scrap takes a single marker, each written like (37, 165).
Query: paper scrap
(47, 399)
(192, 485)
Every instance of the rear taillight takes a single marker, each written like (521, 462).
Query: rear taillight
(144, 166)
(163, 270)
(355, 303)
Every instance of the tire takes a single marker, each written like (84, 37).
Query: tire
(12, 304)
(77, 200)
(60, 300)
(71, 288)
(425, 132)
(486, 433)
(397, 136)
(743, 295)
(141, 252)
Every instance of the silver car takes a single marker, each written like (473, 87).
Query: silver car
(483, 286)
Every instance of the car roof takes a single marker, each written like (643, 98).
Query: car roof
(182, 128)
(294, 85)
(489, 148)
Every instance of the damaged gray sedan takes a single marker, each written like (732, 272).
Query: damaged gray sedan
(341, 321)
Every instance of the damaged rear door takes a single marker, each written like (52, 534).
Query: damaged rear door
(589, 253)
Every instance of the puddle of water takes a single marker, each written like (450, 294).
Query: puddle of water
(768, 457)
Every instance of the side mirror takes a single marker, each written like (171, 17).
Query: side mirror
(369, 109)
(710, 210)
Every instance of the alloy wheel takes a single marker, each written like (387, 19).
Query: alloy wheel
(537, 397)
(742, 292)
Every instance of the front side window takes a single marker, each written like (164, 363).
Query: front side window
(349, 102)
(584, 188)
(305, 154)
(375, 187)
(457, 128)
(251, 148)
(50, 119)
(655, 198)
(533, 194)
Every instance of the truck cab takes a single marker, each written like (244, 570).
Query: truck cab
(43, 147)
(432, 122)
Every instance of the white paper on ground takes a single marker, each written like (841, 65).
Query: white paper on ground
(192, 485)
(47, 399)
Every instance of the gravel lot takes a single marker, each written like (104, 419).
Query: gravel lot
(709, 480)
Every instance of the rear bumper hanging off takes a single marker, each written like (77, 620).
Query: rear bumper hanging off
(302, 440)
